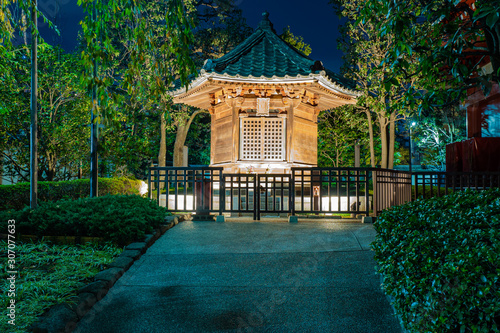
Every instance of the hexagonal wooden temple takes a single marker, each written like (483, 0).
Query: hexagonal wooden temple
(264, 98)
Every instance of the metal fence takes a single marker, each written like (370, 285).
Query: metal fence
(331, 190)
(390, 188)
(437, 184)
(315, 191)
(185, 189)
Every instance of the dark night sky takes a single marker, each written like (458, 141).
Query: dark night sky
(315, 20)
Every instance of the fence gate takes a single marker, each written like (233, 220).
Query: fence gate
(239, 194)
(274, 194)
(331, 191)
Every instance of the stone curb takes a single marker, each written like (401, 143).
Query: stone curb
(63, 317)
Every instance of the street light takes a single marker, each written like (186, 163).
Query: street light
(411, 145)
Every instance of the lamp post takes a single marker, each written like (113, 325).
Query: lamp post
(34, 108)
(411, 146)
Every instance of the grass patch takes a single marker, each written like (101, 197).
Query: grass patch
(48, 275)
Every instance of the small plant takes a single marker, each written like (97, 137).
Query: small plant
(48, 275)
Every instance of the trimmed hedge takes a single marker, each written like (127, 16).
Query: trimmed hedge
(121, 219)
(17, 196)
(440, 259)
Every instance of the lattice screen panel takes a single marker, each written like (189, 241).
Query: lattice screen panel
(251, 139)
(273, 139)
(262, 138)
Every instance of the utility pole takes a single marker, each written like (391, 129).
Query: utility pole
(93, 125)
(34, 108)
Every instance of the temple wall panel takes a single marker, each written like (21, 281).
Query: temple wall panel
(222, 135)
(305, 141)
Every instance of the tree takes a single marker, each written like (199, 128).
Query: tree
(158, 46)
(61, 124)
(220, 27)
(433, 131)
(339, 130)
(364, 63)
(296, 41)
(449, 43)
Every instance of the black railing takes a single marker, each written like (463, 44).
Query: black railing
(206, 190)
(239, 194)
(273, 195)
(437, 184)
(331, 190)
(390, 188)
(185, 189)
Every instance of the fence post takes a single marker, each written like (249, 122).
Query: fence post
(222, 193)
(150, 193)
(375, 193)
(256, 204)
(291, 194)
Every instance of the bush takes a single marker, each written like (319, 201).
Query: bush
(440, 259)
(18, 196)
(120, 219)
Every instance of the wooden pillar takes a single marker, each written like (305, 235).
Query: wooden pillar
(291, 104)
(212, 139)
(236, 130)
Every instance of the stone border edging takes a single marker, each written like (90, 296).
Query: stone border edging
(63, 317)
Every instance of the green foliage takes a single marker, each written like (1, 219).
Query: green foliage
(448, 42)
(220, 27)
(145, 50)
(295, 41)
(18, 196)
(50, 274)
(120, 219)
(62, 115)
(339, 130)
(382, 88)
(433, 132)
(440, 261)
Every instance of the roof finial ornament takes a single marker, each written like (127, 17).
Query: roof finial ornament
(265, 23)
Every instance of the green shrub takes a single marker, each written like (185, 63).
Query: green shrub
(18, 196)
(120, 219)
(440, 259)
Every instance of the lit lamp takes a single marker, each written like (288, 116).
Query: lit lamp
(411, 145)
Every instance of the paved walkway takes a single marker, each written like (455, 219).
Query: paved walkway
(250, 277)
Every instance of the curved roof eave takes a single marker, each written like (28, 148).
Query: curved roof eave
(321, 78)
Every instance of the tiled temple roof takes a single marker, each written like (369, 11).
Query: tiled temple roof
(265, 58)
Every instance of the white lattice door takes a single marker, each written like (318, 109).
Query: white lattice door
(262, 139)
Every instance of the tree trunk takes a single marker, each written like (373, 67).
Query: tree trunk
(337, 152)
(162, 154)
(372, 143)
(392, 139)
(180, 138)
(383, 138)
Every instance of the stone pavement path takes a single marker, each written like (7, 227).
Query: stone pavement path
(250, 277)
